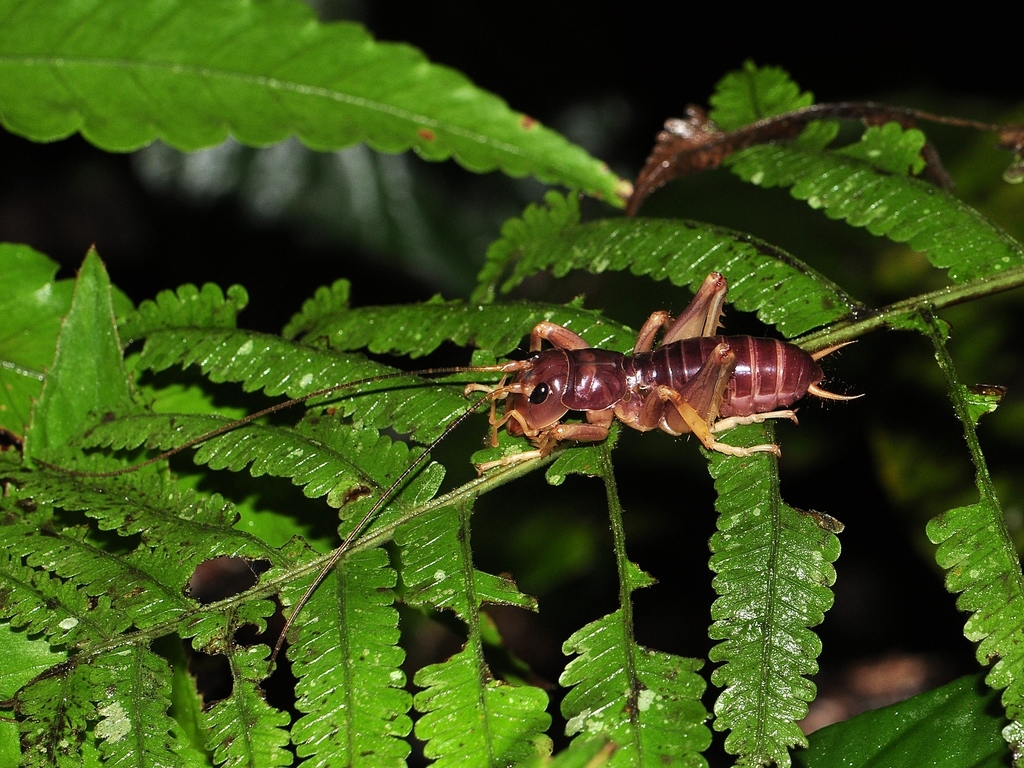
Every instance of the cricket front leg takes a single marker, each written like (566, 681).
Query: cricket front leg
(547, 439)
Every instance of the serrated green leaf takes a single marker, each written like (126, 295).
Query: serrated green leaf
(952, 725)
(470, 719)
(753, 93)
(88, 372)
(865, 193)
(124, 73)
(243, 729)
(774, 570)
(762, 278)
(339, 662)
(33, 305)
(645, 701)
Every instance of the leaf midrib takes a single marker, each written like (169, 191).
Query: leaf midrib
(270, 83)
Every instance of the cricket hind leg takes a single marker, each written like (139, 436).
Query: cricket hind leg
(698, 402)
(701, 318)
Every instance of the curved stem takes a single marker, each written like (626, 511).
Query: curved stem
(898, 313)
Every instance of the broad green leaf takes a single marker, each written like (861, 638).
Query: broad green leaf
(124, 73)
(33, 304)
(88, 372)
(950, 726)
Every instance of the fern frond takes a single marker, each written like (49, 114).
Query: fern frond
(774, 573)
(146, 585)
(437, 568)
(419, 329)
(243, 729)
(470, 719)
(321, 456)
(762, 278)
(647, 702)
(981, 563)
(124, 74)
(55, 711)
(34, 600)
(867, 186)
(260, 361)
(186, 307)
(753, 93)
(350, 679)
(122, 696)
(133, 711)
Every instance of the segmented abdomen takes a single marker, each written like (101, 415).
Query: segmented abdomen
(769, 374)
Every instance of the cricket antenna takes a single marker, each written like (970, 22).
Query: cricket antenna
(372, 513)
(502, 368)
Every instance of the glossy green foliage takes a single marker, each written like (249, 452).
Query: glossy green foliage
(338, 660)
(97, 566)
(774, 573)
(664, 719)
(953, 725)
(124, 73)
(762, 278)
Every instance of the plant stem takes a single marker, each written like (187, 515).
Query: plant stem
(896, 315)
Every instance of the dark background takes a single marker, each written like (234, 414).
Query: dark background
(608, 79)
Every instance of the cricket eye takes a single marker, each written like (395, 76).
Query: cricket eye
(539, 394)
